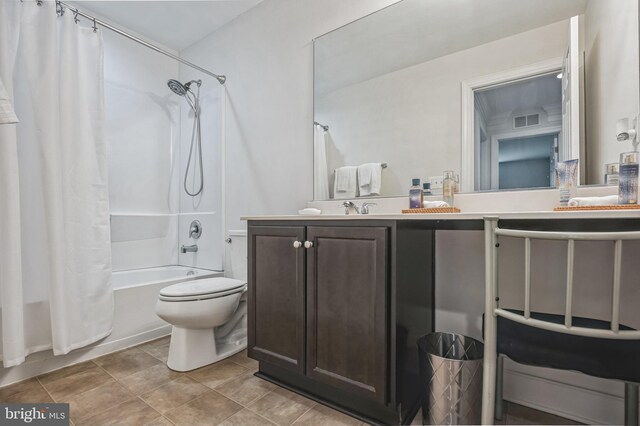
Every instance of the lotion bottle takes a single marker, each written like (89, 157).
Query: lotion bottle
(415, 195)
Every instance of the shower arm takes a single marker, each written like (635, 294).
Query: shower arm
(221, 78)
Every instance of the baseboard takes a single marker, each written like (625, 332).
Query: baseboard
(45, 362)
(578, 403)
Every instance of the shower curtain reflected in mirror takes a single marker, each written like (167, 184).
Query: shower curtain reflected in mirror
(321, 177)
(55, 258)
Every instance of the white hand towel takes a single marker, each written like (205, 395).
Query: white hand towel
(7, 115)
(345, 185)
(370, 178)
(434, 204)
(593, 201)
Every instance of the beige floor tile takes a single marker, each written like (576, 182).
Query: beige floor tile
(246, 417)
(281, 406)
(208, 409)
(127, 362)
(35, 395)
(521, 415)
(149, 379)
(321, 415)
(63, 385)
(174, 394)
(242, 359)
(157, 348)
(31, 385)
(218, 373)
(56, 375)
(131, 413)
(245, 389)
(97, 400)
(160, 421)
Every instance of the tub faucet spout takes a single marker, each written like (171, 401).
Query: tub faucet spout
(189, 249)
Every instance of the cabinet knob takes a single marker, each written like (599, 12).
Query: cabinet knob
(308, 244)
(297, 244)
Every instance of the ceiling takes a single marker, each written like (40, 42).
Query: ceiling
(175, 24)
(521, 96)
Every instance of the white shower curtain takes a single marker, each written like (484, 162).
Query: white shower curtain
(320, 168)
(55, 255)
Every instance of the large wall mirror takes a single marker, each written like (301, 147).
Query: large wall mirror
(498, 91)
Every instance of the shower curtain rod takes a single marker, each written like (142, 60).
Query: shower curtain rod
(324, 127)
(220, 78)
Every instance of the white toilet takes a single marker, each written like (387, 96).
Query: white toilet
(208, 317)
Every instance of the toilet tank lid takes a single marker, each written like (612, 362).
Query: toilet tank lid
(201, 287)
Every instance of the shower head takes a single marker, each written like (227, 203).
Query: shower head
(177, 87)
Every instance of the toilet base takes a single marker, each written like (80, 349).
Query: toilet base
(194, 348)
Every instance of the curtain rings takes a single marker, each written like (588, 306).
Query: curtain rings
(95, 27)
(59, 8)
(39, 2)
(75, 16)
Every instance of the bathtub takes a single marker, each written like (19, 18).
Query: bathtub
(136, 293)
(166, 275)
(135, 320)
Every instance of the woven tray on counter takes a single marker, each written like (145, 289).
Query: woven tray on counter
(589, 208)
(433, 210)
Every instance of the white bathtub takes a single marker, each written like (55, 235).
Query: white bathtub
(135, 320)
(166, 275)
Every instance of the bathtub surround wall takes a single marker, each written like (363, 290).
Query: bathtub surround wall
(207, 206)
(143, 135)
(55, 252)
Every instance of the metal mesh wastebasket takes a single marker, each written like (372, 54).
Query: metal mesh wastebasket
(451, 372)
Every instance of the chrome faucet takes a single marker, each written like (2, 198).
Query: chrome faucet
(348, 205)
(365, 207)
(189, 249)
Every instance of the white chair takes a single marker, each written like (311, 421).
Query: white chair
(598, 348)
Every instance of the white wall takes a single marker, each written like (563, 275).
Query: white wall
(267, 56)
(142, 131)
(612, 78)
(410, 118)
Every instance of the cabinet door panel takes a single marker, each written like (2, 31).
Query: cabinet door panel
(276, 296)
(346, 309)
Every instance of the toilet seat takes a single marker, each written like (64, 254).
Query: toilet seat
(208, 288)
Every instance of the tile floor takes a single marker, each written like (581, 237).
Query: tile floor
(135, 387)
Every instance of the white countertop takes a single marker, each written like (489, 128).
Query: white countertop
(531, 204)
(590, 214)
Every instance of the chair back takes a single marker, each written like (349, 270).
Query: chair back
(492, 234)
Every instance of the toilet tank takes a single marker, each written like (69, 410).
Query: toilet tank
(236, 255)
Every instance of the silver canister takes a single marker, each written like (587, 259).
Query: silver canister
(451, 373)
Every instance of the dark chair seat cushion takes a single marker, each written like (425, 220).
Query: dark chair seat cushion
(606, 358)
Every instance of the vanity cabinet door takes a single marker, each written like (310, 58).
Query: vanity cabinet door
(346, 310)
(276, 296)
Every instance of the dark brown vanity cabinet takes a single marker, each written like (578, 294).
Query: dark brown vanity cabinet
(323, 317)
(346, 309)
(277, 296)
